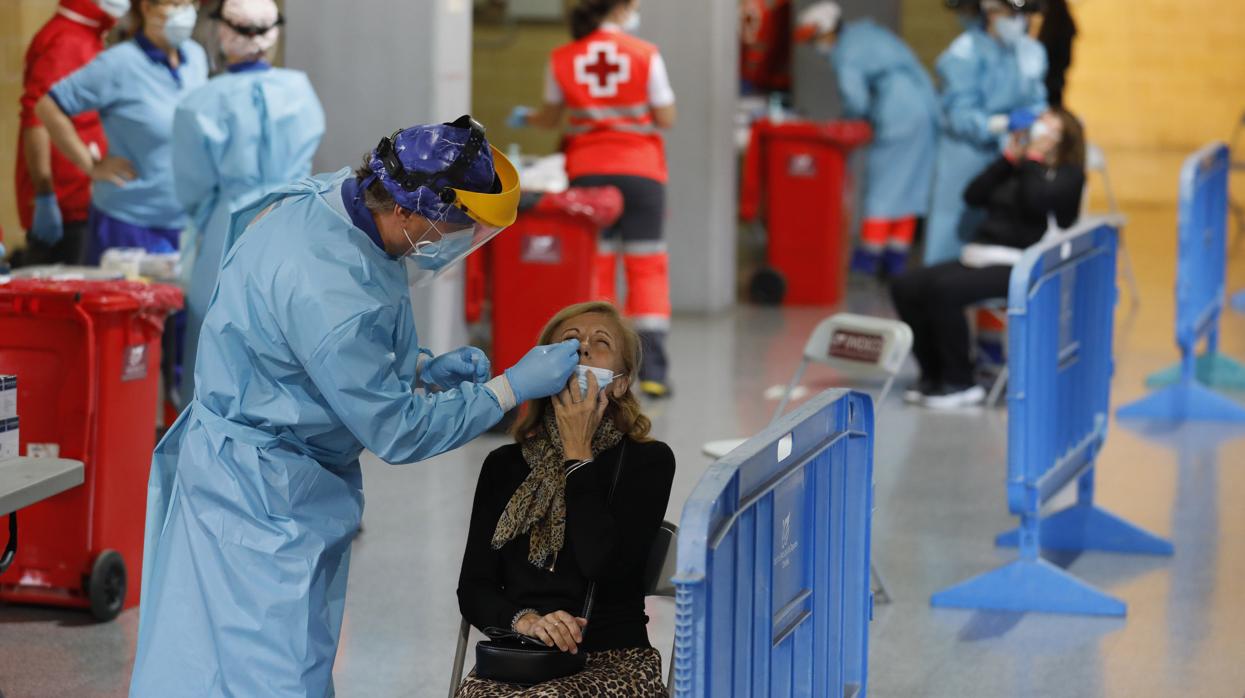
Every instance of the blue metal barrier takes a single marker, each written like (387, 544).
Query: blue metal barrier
(1060, 321)
(1201, 266)
(773, 574)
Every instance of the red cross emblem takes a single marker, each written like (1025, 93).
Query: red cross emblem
(602, 69)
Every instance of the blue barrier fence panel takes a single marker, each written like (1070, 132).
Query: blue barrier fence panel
(1060, 322)
(1201, 268)
(772, 586)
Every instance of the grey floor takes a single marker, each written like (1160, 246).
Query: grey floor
(940, 502)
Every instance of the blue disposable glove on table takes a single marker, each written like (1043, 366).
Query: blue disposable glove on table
(47, 226)
(462, 365)
(544, 371)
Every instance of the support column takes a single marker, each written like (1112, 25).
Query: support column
(404, 62)
(699, 40)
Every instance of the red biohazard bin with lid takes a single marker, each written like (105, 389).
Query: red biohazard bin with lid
(541, 264)
(796, 173)
(87, 358)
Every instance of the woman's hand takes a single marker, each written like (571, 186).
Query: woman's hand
(558, 628)
(579, 416)
(114, 169)
(1015, 149)
(1043, 147)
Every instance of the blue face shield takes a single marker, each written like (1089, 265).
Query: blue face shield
(433, 256)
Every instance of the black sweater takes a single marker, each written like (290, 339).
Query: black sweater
(606, 544)
(1019, 197)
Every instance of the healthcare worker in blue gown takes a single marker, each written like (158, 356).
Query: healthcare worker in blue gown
(881, 80)
(308, 356)
(990, 71)
(135, 86)
(248, 130)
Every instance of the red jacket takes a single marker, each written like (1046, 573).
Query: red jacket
(62, 46)
(604, 80)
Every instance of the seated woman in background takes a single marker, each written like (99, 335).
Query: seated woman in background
(541, 529)
(1040, 175)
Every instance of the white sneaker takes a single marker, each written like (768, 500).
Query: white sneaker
(956, 399)
(916, 394)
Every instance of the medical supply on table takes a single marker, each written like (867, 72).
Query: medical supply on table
(135, 262)
(8, 438)
(604, 377)
(8, 397)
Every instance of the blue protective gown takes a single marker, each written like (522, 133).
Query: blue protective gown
(881, 80)
(980, 77)
(308, 356)
(239, 136)
(135, 91)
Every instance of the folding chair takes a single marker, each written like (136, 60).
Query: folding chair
(997, 307)
(658, 575)
(1096, 161)
(855, 345)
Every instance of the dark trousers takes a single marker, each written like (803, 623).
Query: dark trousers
(932, 301)
(70, 249)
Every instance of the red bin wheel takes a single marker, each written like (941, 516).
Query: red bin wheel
(767, 287)
(106, 586)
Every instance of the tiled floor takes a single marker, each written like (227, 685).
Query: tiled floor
(940, 502)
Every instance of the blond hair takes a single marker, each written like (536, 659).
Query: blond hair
(625, 410)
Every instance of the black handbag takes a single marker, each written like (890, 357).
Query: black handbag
(514, 658)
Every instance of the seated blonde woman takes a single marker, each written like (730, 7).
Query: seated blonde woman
(541, 528)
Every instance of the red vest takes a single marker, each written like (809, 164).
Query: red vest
(765, 44)
(61, 47)
(604, 81)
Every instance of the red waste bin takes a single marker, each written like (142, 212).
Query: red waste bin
(541, 264)
(797, 172)
(87, 357)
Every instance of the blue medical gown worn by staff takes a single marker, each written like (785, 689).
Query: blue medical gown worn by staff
(881, 80)
(981, 77)
(308, 355)
(234, 139)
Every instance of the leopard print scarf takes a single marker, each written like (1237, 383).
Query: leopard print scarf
(538, 507)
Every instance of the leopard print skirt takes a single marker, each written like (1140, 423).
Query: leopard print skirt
(627, 673)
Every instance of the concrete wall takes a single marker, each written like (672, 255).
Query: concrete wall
(19, 20)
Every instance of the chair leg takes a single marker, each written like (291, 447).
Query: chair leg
(670, 673)
(460, 656)
(996, 390)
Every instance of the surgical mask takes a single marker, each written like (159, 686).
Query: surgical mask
(1039, 130)
(434, 256)
(180, 24)
(604, 377)
(1010, 30)
(632, 24)
(114, 8)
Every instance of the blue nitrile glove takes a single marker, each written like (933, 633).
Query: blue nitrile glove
(1020, 119)
(463, 365)
(47, 226)
(544, 371)
(518, 117)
